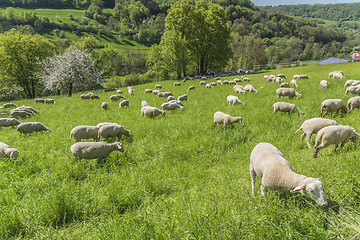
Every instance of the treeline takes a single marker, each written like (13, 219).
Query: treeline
(333, 12)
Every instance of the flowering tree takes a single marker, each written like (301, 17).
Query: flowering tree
(72, 71)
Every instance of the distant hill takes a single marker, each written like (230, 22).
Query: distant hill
(296, 2)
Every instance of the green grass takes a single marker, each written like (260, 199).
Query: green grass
(180, 177)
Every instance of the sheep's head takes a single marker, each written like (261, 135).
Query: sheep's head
(14, 153)
(312, 188)
(118, 146)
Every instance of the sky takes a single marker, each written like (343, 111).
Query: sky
(294, 2)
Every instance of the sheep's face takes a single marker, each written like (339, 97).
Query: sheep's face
(312, 188)
(14, 154)
(119, 146)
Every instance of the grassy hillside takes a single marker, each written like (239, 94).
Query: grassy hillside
(180, 176)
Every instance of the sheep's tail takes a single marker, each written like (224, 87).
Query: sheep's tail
(298, 129)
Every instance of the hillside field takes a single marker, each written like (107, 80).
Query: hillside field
(180, 176)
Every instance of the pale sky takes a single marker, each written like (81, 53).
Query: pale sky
(294, 2)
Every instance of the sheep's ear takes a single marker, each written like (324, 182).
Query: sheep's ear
(298, 188)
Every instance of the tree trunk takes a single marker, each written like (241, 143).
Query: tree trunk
(70, 90)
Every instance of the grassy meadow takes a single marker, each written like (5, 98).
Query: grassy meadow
(180, 176)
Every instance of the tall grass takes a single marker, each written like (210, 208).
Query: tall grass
(180, 176)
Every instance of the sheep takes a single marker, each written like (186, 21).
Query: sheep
(158, 86)
(286, 107)
(289, 92)
(191, 88)
(281, 75)
(148, 90)
(104, 106)
(123, 103)
(213, 84)
(332, 105)
(98, 150)
(120, 92)
(294, 82)
(266, 77)
(144, 103)
(296, 76)
(93, 96)
(164, 94)
(155, 92)
(27, 108)
(334, 134)
(6, 151)
(336, 74)
(177, 84)
(355, 83)
(131, 90)
(9, 105)
(30, 127)
(208, 86)
(233, 100)
(39, 100)
(353, 103)
(203, 78)
(151, 111)
(278, 80)
(324, 84)
(219, 82)
(313, 125)
(169, 98)
(348, 83)
(226, 119)
(84, 132)
(285, 85)
(245, 79)
(353, 90)
(171, 106)
(49, 101)
(114, 98)
(237, 80)
(225, 82)
(112, 130)
(177, 102)
(267, 162)
(182, 97)
(271, 78)
(250, 88)
(232, 82)
(202, 82)
(239, 89)
(99, 125)
(20, 113)
(85, 96)
(217, 78)
(9, 122)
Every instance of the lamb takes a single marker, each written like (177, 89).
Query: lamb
(232, 82)
(334, 134)
(30, 127)
(9, 122)
(191, 88)
(9, 105)
(285, 85)
(324, 84)
(131, 90)
(84, 132)
(332, 105)
(144, 103)
(39, 100)
(353, 103)
(98, 150)
(353, 90)
(267, 162)
(6, 151)
(169, 98)
(294, 82)
(250, 88)
(152, 111)
(114, 98)
(148, 90)
(348, 83)
(104, 106)
(266, 78)
(281, 75)
(314, 125)
(208, 86)
(177, 84)
(231, 99)
(123, 103)
(286, 107)
(49, 101)
(226, 119)
(239, 89)
(112, 130)
(278, 80)
(219, 82)
(182, 97)
(289, 92)
(158, 86)
(171, 106)
(20, 113)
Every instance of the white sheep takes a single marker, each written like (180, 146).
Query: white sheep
(49, 100)
(294, 82)
(84, 132)
(332, 105)
(281, 75)
(286, 107)
(239, 89)
(177, 84)
(314, 125)
(114, 98)
(250, 88)
(348, 83)
(266, 78)
(324, 84)
(112, 131)
(124, 103)
(99, 125)
(156, 92)
(91, 150)
(27, 108)
(9, 105)
(219, 82)
(353, 103)
(203, 82)
(20, 113)
(169, 98)
(336, 74)
(39, 100)
(144, 103)
(301, 76)
(245, 79)
(287, 92)
(355, 83)
(92, 96)
(353, 90)
(131, 90)
(9, 122)
(182, 97)
(6, 151)
(226, 119)
(213, 84)
(120, 92)
(278, 80)
(158, 86)
(335, 134)
(237, 80)
(234, 100)
(225, 82)
(171, 106)
(208, 86)
(148, 90)
(104, 106)
(191, 88)
(177, 102)
(267, 162)
(284, 85)
(151, 111)
(30, 127)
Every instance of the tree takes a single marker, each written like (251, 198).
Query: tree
(70, 72)
(19, 55)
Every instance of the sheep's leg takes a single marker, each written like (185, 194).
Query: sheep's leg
(302, 136)
(335, 147)
(263, 190)
(253, 176)
(308, 140)
(342, 144)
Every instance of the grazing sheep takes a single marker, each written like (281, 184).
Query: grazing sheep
(213, 84)
(226, 119)
(112, 130)
(294, 82)
(232, 82)
(171, 106)
(203, 78)
(267, 162)
(158, 86)
(226, 82)
(92, 96)
(353, 103)
(286, 107)
(217, 78)
(271, 78)
(202, 82)
(239, 89)
(336, 74)
(85, 96)
(245, 79)
(165, 94)
(9, 122)
(91, 150)
(120, 92)
(39, 100)
(177, 84)
(20, 113)
(237, 80)
(131, 90)
(99, 125)
(84, 132)
(314, 125)
(191, 88)
(266, 77)
(49, 100)
(278, 80)
(123, 103)
(281, 75)
(219, 82)
(285, 85)
(332, 105)
(144, 103)
(177, 102)
(324, 84)
(296, 76)
(104, 106)
(6, 151)
(114, 98)
(182, 97)
(355, 83)
(348, 83)
(353, 90)
(30, 127)
(250, 88)
(169, 98)
(231, 99)
(287, 92)
(26, 108)
(334, 134)
(208, 86)
(155, 92)
(151, 111)
(9, 105)
(148, 90)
